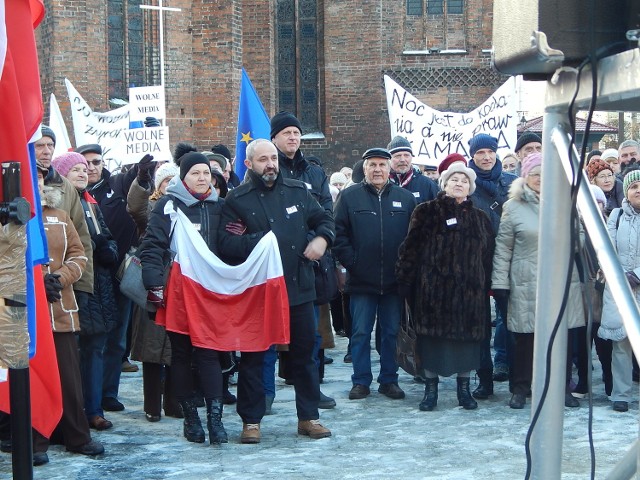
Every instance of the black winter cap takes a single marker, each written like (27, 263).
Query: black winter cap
(282, 120)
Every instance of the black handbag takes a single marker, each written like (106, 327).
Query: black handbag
(326, 281)
(407, 345)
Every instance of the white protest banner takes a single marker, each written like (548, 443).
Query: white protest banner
(434, 134)
(105, 129)
(147, 102)
(137, 142)
(56, 123)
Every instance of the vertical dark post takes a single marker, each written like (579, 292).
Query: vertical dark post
(19, 397)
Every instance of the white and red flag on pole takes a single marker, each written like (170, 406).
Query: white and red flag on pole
(223, 307)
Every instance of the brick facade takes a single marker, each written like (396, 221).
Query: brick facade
(208, 42)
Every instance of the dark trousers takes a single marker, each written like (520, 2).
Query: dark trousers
(208, 363)
(73, 424)
(522, 376)
(603, 349)
(304, 372)
(485, 372)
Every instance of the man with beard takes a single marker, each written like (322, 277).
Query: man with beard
(269, 202)
(404, 174)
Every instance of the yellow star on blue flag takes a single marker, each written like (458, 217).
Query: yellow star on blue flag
(252, 118)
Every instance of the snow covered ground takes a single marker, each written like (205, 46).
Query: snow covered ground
(372, 438)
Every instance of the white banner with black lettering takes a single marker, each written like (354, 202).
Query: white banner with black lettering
(434, 134)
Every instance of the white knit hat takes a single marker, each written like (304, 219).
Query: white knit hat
(459, 167)
(165, 170)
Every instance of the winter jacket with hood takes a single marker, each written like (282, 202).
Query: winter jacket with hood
(625, 236)
(515, 263)
(154, 250)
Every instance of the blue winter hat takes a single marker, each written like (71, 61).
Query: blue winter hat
(480, 141)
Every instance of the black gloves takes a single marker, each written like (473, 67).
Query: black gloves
(145, 167)
(105, 250)
(53, 287)
(151, 122)
(501, 297)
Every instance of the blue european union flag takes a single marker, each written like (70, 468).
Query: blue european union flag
(253, 122)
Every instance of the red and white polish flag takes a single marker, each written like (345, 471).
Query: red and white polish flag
(228, 308)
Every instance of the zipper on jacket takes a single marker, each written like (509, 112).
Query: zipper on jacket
(204, 222)
(381, 244)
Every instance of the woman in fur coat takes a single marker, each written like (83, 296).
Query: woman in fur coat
(443, 271)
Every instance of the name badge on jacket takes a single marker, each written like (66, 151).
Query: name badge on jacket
(291, 210)
(451, 222)
(397, 204)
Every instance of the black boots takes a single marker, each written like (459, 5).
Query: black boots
(465, 400)
(192, 427)
(430, 399)
(217, 433)
(485, 389)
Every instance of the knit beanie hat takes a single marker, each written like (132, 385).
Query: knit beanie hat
(527, 137)
(449, 159)
(65, 162)
(598, 194)
(529, 163)
(190, 159)
(165, 170)
(222, 150)
(609, 153)
(596, 166)
(47, 132)
(480, 141)
(338, 177)
(282, 120)
(629, 179)
(399, 144)
(458, 167)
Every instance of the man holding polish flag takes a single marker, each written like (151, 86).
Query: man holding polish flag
(268, 204)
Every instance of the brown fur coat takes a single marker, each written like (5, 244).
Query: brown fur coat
(446, 260)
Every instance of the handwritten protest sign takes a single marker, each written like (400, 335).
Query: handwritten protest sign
(147, 102)
(105, 129)
(434, 134)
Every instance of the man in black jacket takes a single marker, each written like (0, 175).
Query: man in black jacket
(110, 191)
(403, 173)
(269, 202)
(286, 133)
(372, 220)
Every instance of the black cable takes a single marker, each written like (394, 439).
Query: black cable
(574, 235)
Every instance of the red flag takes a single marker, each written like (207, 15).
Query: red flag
(20, 116)
(227, 308)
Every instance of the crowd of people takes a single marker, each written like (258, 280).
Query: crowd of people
(434, 243)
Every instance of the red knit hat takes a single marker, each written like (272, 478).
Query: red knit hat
(448, 160)
(596, 166)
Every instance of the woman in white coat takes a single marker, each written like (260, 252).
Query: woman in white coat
(624, 230)
(514, 278)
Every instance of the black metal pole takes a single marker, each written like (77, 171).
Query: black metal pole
(19, 389)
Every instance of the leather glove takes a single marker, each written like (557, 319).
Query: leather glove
(145, 167)
(633, 279)
(53, 287)
(236, 228)
(155, 296)
(501, 296)
(105, 251)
